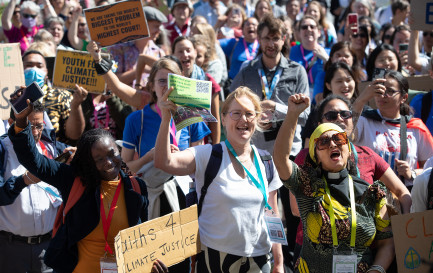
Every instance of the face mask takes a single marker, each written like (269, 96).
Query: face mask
(28, 22)
(34, 74)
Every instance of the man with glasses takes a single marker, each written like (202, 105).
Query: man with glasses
(28, 19)
(274, 79)
(27, 210)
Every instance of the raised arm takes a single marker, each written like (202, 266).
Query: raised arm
(413, 51)
(7, 15)
(394, 184)
(123, 91)
(142, 61)
(296, 105)
(76, 42)
(179, 163)
(75, 123)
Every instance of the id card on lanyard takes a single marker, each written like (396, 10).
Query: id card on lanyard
(266, 89)
(343, 263)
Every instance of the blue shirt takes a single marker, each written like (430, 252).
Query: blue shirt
(239, 56)
(303, 59)
(416, 104)
(319, 85)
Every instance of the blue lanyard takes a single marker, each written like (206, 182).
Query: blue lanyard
(260, 185)
(267, 92)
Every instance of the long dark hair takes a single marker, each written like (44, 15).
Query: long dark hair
(324, 103)
(403, 86)
(329, 75)
(83, 162)
(373, 56)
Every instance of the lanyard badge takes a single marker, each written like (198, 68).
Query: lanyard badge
(275, 228)
(343, 263)
(108, 264)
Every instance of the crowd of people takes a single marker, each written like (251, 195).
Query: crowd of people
(317, 126)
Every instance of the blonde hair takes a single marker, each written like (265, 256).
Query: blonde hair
(208, 31)
(322, 20)
(202, 40)
(163, 63)
(242, 91)
(43, 35)
(239, 7)
(43, 48)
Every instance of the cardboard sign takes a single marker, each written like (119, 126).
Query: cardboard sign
(171, 238)
(117, 23)
(422, 11)
(414, 247)
(11, 76)
(76, 67)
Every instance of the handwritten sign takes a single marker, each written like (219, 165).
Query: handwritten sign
(117, 23)
(422, 11)
(11, 76)
(76, 67)
(171, 238)
(414, 247)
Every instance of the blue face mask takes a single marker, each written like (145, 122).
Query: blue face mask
(34, 74)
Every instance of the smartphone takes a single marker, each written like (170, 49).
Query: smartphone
(403, 47)
(63, 157)
(379, 73)
(32, 92)
(353, 22)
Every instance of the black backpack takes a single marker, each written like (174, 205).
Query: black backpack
(430, 192)
(213, 167)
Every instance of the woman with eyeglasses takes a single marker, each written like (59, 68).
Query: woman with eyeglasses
(232, 220)
(404, 142)
(309, 53)
(342, 215)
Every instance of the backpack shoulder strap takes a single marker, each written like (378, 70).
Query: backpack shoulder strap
(266, 158)
(211, 171)
(430, 192)
(426, 106)
(135, 185)
(3, 158)
(75, 194)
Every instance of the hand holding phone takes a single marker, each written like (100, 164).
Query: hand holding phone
(379, 73)
(353, 22)
(19, 99)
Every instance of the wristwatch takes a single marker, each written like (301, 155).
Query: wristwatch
(413, 175)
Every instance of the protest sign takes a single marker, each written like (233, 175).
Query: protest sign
(76, 67)
(193, 98)
(117, 23)
(11, 76)
(422, 12)
(414, 247)
(171, 238)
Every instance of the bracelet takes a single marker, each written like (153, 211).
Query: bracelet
(28, 177)
(376, 267)
(103, 66)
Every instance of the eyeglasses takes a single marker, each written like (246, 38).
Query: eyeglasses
(333, 115)
(362, 35)
(306, 27)
(25, 15)
(425, 33)
(38, 127)
(236, 115)
(273, 40)
(390, 92)
(323, 142)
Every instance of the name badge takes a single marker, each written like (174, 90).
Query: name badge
(275, 228)
(108, 265)
(344, 264)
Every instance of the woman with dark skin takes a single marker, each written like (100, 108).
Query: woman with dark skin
(81, 241)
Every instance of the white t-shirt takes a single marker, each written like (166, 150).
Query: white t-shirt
(419, 191)
(232, 217)
(384, 139)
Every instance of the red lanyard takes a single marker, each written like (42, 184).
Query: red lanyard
(95, 114)
(44, 150)
(307, 65)
(172, 127)
(188, 29)
(107, 221)
(247, 52)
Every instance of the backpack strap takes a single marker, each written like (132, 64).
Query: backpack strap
(212, 169)
(135, 185)
(74, 195)
(3, 158)
(266, 158)
(426, 106)
(430, 192)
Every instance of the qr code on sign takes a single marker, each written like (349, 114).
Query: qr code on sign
(202, 87)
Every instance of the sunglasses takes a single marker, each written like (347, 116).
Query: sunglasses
(427, 33)
(25, 15)
(333, 115)
(38, 127)
(387, 37)
(362, 35)
(323, 142)
(306, 27)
